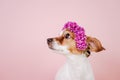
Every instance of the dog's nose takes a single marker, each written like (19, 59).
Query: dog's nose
(49, 40)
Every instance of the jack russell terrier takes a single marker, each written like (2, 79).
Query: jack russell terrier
(76, 46)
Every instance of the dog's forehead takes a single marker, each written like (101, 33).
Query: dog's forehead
(65, 32)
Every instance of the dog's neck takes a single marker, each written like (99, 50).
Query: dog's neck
(76, 59)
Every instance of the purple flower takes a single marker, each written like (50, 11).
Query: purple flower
(79, 32)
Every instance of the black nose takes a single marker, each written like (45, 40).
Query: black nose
(49, 40)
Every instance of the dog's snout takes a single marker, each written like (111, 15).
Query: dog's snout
(49, 40)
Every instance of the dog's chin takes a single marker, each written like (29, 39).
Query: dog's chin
(59, 51)
(52, 48)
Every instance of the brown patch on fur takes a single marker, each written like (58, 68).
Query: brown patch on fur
(94, 44)
(60, 39)
(71, 43)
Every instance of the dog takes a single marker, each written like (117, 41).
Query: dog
(77, 47)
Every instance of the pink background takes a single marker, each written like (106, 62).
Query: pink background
(26, 24)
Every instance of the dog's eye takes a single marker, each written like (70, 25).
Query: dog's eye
(67, 36)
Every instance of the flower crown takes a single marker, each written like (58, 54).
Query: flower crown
(79, 32)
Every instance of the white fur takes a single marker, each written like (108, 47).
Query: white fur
(77, 67)
(59, 48)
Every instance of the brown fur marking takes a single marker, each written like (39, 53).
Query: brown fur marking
(94, 44)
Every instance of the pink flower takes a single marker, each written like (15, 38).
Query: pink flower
(79, 32)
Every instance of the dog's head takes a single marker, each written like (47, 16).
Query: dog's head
(73, 40)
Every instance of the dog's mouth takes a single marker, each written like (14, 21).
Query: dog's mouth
(51, 47)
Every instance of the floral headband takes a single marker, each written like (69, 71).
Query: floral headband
(79, 33)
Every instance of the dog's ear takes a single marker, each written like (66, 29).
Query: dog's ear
(94, 44)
